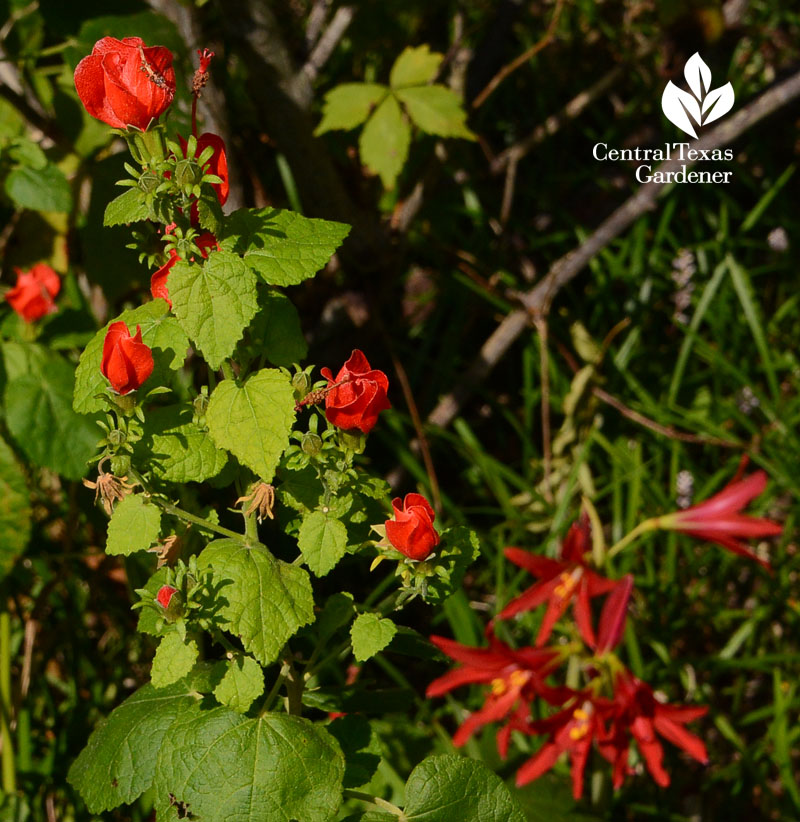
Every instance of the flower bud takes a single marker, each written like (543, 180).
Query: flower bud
(411, 530)
(148, 182)
(200, 404)
(311, 444)
(165, 594)
(117, 437)
(188, 173)
(127, 362)
(301, 383)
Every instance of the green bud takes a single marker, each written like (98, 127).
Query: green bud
(187, 173)
(311, 444)
(148, 182)
(301, 383)
(117, 437)
(353, 440)
(200, 404)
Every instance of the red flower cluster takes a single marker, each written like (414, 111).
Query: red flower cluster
(32, 296)
(612, 711)
(357, 396)
(125, 83)
(127, 362)
(411, 531)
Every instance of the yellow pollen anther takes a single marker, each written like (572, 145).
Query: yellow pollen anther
(498, 687)
(519, 678)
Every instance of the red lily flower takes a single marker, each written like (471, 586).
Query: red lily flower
(639, 714)
(516, 677)
(561, 581)
(719, 519)
(572, 731)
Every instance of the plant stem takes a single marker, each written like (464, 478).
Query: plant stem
(227, 370)
(376, 801)
(9, 772)
(199, 521)
(641, 528)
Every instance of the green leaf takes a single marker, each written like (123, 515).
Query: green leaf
(436, 110)
(361, 747)
(370, 634)
(173, 660)
(338, 611)
(349, 105)
(243, 682)
(253, 420)
(134, 526)
(384, 142)
(323, 542)
(214, 302)
(415, 67)
(444, 788)
(40, 418)
(282, 247)
(129, 207)
(275, 767)
(175, 449)
(15, 510)
(45, 189)
(264, 600)
(160, 331)
(149, 618)
(119, 762)
(458, 549)
(276, 330)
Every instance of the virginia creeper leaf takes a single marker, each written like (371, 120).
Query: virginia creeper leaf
(134, 526)
(436, 110)
(323, 542)
(214, 302)
(40, 418)
(15, 510)
(160, 330)
(349, 105)
(263, 600)
(253, 420)
(173, 660)
(415, 67)
(370, 634)
(243, 682)
(443, 788)
(119, 762)
(384, 142)
(282, 247)
(275, 767)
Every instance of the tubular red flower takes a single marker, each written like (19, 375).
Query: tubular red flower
(515, 678)
(562, 582)
(32, 296)
(411, 531)
(357, 395)
(127, 361)
(125, 83)
(719, 518)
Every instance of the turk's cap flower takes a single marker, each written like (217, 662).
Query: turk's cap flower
(33, 295)
(127, 361)
(357, 395)
(411, 530)
(164, 595)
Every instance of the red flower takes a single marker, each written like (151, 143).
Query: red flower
(357, 395)
(127, 361)
(32, 296)
(158, 282)
(562, 581)
(572, 731)
(165, 594)
(411, 531)
(637, 712)
(217, 164)
(515, 678)
(719, 520)
(125, 83)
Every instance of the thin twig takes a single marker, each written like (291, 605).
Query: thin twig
(433, 480)
(539, 298)
(522, 59)
(328, 41)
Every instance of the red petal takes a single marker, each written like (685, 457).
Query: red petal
(457, 678)
(678, 735)
(613, 615)
(538, 764)
(538, 565)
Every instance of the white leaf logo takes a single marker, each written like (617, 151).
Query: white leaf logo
(702, 105)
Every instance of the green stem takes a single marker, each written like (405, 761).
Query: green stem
(227, 370)
(199, 521)
(641, 528)
(280, 679)
(9, 771)
(376, 801)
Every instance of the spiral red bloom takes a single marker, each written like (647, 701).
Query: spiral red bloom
(127, 361)
(357, 396)
(563, 581)
(32, 296)
(719, 518)
(125, 83)
(411, 531)
(165, 594)
(206, 242)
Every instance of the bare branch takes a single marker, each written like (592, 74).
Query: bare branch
(328, 42)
